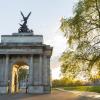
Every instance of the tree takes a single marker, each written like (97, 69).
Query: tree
(22, 74)
(82, 32)
(70, 66)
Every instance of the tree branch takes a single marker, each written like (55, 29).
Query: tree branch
(98, 11)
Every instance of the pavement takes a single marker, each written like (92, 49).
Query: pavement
(83, 93)
(55, 95)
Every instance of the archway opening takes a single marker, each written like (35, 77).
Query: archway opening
(20, 73)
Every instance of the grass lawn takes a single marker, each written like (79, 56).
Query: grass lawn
(84, 88)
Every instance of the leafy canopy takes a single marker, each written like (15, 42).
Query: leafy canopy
(82, 32)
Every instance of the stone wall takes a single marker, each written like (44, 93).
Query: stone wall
(21, 39)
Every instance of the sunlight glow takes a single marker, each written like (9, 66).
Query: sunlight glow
(56, 73)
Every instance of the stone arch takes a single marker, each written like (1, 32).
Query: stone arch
(15, 65)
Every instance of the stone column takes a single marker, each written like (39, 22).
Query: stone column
(31, 70)
(30, 79)
(48, 70)
(46, 74)
(6, 68)
(40, 69)
(4, 89)
(45, 70)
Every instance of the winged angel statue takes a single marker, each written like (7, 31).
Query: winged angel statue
(23, 26)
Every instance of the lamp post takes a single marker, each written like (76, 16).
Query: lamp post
(27, 82)
(8, 86)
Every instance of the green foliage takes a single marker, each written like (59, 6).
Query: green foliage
(65, 82)
(70, 66)
(58, 83)
(86, 19)
(22, 73)
(82, 32)
(84, 88)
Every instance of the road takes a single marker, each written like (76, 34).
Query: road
(55, 95)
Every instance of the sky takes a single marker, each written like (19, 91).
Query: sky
(45, 20)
